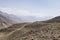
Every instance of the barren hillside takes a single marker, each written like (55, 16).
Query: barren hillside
(33, 31)
(5, 21)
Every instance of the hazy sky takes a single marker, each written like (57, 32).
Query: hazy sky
(31, 7)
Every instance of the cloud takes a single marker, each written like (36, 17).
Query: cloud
(40, 13)
(18, 12)
(6, 9)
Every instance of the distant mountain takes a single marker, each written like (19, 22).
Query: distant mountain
(11, 16)
(24, 18)
(33, 18)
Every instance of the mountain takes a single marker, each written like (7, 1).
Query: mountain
(5, 21)
(55, 19)
(32, 18)
(11, 16)
(24, 18)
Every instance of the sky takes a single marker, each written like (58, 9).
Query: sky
(38, 8)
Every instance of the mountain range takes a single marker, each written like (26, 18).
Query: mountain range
(24, 18)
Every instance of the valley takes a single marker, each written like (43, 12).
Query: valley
(39, 30)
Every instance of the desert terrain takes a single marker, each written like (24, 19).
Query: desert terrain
(45, 30)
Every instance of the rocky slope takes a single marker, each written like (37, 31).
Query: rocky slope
(55, 20)
(5, 21)
(33, 31)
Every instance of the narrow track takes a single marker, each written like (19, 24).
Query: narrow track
(17, 29)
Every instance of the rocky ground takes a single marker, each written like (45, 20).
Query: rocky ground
(33, 31)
